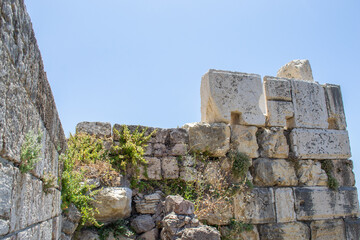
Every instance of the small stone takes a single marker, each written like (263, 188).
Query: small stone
(177, 204)
(284, 231)
(170, 168)
(153, 234)
(243, 139)
(284, 202)
(149, 204)
(311, 174)
(68, 226)
(99, 129)
(328, 230)
(211, 138)
(87, 235)
(298, 69)
(273, 143)
(142, 223)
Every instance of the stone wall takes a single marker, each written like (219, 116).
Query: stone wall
(26, 103)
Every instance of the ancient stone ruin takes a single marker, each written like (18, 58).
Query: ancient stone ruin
(271, 158)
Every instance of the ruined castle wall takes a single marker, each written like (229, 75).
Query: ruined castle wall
(26, 103)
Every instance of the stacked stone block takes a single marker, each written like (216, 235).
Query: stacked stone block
(26, 103)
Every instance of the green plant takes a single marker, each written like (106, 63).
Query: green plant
(118, 229)
(30, 151)
(235, 228)
(48, 182)
(328, 166)
(129, 153)
(241, 164)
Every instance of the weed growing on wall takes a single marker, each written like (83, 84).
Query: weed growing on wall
(48, 182)
(328, 166)
(30, 151)
(119, 229)
(234, 229)
(241, 164)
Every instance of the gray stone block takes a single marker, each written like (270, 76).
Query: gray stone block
(170, 168)
(320, 144)
(352, 228)
(335, 107)
(142, 223)
(328, 229)
(4, 227)
(98, 129)
(6, 186)
(284, 231)
(343, 173)
(273, 143)
(317, 203)
(277, 88)
(285, 205)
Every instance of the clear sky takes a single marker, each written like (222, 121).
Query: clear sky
(141, 62)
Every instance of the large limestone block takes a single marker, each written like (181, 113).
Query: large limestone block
(335, 107)
(99, 129)
(285, 231)
(279, 114)
(255, 207)
(298, 69)
(153, 169)
(277, 88)
(352, 226)
(343, 173)
(273, 143)
(328, 230)
(6, 186)
(243, 139)
(202, 232)
(309, 105)
(170, 168)
(320, 144)
(310, 173)
(212, 138)
(285, 205)
(113, 203)
(232, 97)
(317, 203)
(277, 172)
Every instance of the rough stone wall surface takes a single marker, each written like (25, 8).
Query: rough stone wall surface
(26, 103)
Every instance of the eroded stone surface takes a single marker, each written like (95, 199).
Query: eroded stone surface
(153, 169)
(150, 235)
(352, 227)
(170, 168)
(335, 107)
(274, 172)
(328, 230)
(232, 97)
(4, 227)
(218, 213)
(142, 223)
(244, 235)
(320, 144)
(311, 174)
(148, 204)
(343, 173)
(273, 143)
(285, 231)
(285, 205)
(298, 69)
(317, 203)
(212, 138)
(201, 233)
(99, 129)
(280, 114)
(177, 204)
(243, 139)
(6, 182)
(277, 88)
(256, 206)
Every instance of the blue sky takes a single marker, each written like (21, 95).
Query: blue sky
(141, 62)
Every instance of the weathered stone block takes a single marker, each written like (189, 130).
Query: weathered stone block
(153, 234)
(320, 144)
(311, 174)
(255, 207)
(317, 203)
(277, 88)
(170, 168)
(279, 114)
(6, 186)
(285, 205)
(232, 97)
(177, 204)
(335, 107)
(277, 172)
(328, 230)
(243, 139)
(148, 204)
(298, 69)
(352, 227)
(142, 223)
(273, 143)
(343, 173)
(285, 231)
(159, 149)
(309, 105)
(248, 235)
(114, 203)
(4, 227)
(98, 129)
(153, 169)
(201, 232)
(212, 138)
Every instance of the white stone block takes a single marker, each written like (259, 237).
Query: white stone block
(273, 143)
(297, 69)
(243, 139)
(311, 174)
(232, 97)
(285, 205)
(277, 88)
(309, 105)
(335, 107)
(279, 114)
(320, 144)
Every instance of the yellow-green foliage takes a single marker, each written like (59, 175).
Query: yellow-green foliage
(129, 153)
(30, 151)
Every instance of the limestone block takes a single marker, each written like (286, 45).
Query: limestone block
(352, 227)
(31, 233)
(56, 227)
(328, 229)
(243, 139)
(244, 235)
(285, 231)
(298, 69)
(212, 138)
(277, 88)
(273, 143)
(148, 204)
(153, 234)
(279, 114)
(232, 97)
(317, 203)
(4, 227)
(320, 144)
(201, 232)
(255, 207)
(335, 107)
(153, 169)
(179, 149)
(177, 204)
(142, 223)
(178, 135)
(311, 174)
(309, 105)
(159, 149)
(113, 203)
(99, 129)
(285, 205)
(343, 173)
(6, 185)
(277, 172)
(170, 168)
